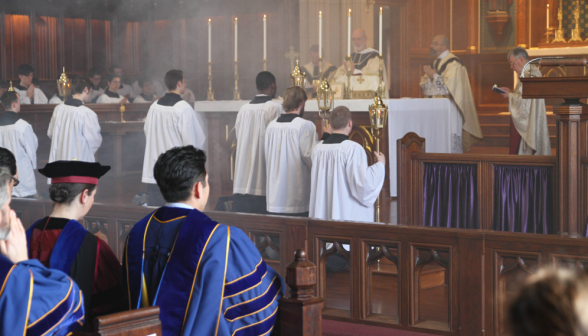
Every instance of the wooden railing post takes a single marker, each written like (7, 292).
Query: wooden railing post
(300, 314)
(410, 143)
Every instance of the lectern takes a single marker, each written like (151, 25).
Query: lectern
(572, 136)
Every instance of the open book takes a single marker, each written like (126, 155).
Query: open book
(497, 89)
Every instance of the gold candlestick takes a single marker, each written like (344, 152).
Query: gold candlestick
(576, 32)
(210, 92)
(348, 94)
(236, 94)
(559, 33)
(378, 116)
(122, 110)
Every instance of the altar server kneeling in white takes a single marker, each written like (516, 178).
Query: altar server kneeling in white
(343, 187)
(288, 146)
(111, 96)
(74, 129)
(171, 122)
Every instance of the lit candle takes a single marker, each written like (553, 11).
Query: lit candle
(320, 34)
(264, 37)
(209, 43)
(349, 33)
(547, 16)
(380, 31)
(236, 58)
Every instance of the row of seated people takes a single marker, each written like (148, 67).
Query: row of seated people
(107, 88)
(207, 278)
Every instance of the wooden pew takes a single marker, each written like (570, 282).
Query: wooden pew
(139, 322)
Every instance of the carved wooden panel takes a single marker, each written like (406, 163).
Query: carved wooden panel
(269, 246)
(334, 275)
(569, 261)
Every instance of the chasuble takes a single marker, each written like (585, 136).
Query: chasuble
(365, 77)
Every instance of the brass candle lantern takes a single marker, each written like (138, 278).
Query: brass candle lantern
(64, 85)
(11, 88)
(325, 98)
(378, 117)
(297, 77)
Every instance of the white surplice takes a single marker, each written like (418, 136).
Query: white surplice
(288, 147)
(55, 100)
(167, 127)
(74, 132)
(20, 139)
(126, 89)
(140, 100)
(250, 127)
(343, 187)
(106, 99)
(159, 89)
(96, 93)
(38, 98)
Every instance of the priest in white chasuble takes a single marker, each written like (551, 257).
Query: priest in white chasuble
(447, 77)
(364, 65)
(29, 93)
(74, 129)
(170, 122)
(528, 115)
(289, 141)
(249, 182)
(312, 69)
(343, 186)
(18, 137)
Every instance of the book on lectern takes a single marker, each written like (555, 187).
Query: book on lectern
(497, 89)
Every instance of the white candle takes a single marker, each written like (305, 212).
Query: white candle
(349, 33)
(209, 43)
(547, 16)
(264, 37)
(380, 31)
(236, 58)
(320, 34)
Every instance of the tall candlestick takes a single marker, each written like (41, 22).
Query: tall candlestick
(264, 37)
(209, 42)
(349, 33)
(236, 31)
(380, 30)
(320, 34)
(547, 16)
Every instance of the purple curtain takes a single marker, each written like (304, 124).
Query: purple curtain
(450, 196)
(523, 199)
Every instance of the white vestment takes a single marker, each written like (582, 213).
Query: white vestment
(74, 132)
(159, 89)
(55, 100)
(252, 121)
(105, 99)
(167, 127)
(126, 89)
(140, 100)
(365, 77)
(39, 97)
(96, 93)
(288, 147)
(20, 139)
(343, 187)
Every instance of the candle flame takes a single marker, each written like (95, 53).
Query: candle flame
(264, 16)
(380, 10)
(235, 19)
(349, 12)
(209, 20)
(320, 13)
(547, 5)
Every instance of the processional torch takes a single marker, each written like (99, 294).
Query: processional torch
(325, 98)
(378, 117)
(64, 85)
(297, 77)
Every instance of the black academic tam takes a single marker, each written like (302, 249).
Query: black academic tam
(74, 172)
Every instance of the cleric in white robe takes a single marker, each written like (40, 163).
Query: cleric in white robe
(170, 122)
(343, 186)
(95, 76)
(289, 141)
(56, 99)
(110, 95)
(252, 120)
(29, 94)
(74, 129)
(158, 89)
(147, 94)
(124, 90)
(17, 136)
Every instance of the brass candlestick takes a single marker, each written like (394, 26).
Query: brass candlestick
(576, 32)
(210, 95)
(348, 94)
(11, 88)
(325, 98)
(378, 117)
(236, 94)
(122, 110)
(559, 33)
(297, 77)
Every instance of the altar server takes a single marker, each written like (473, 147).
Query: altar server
(74, 129)
(147, 94)
(170, 122)
(124, 90)
(29, 93)
(17, 136)
(34, 300)
(288, 146)
(111, 96)
(95, 76)
(343, 187)
(56, 99)
(250, 174)
(447, 77)
(61, 242)
(206, 277)
(529, 117)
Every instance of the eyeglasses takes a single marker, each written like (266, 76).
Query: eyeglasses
(16, 181)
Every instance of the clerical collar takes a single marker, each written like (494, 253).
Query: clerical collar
(8, 118)
(147, 97)
(20, 87)
(287, 117)
(111, 94)
(336, 138)
(170, 99)
(443, 54)
(260, 99)
(73, 102)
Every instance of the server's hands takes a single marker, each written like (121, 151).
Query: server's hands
(379, 157)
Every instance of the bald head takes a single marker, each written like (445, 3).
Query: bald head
(359, 39)
(439, 44)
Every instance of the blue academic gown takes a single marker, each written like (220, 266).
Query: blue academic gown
(37, 300)
(213, 283)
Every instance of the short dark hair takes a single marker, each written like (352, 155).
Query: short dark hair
(8, 160)
(264, 80)
(172, 78)
(111, 76)
(94, 71)
(79, 84)
(8, 98)
(340, 116)
(177, 170)
(293, 97)
(25, 70)
(144, 80)
(114, 67)
(65, 193)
